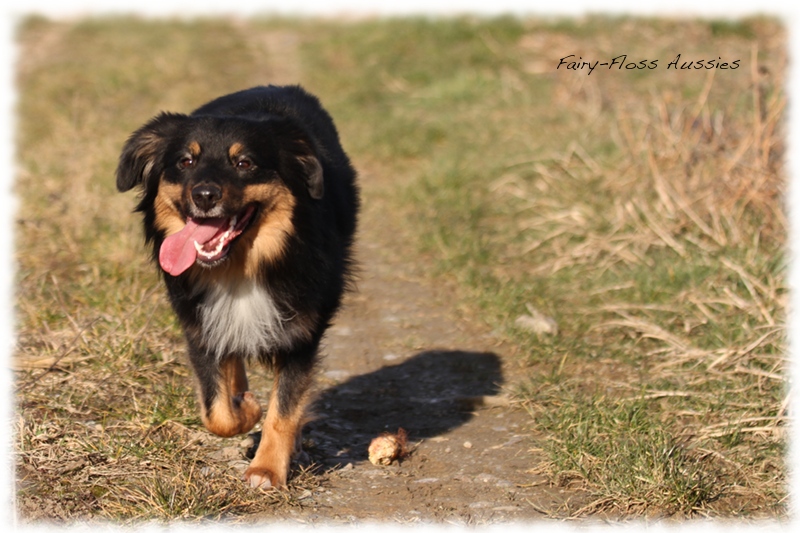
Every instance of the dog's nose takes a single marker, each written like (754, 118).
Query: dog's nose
(206, 196)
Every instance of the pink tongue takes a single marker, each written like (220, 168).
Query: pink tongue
(178, 253)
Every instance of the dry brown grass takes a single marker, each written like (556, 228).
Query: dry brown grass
(680, 245)
(107, 424)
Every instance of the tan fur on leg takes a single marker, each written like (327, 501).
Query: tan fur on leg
(235, 410)
(280, 440)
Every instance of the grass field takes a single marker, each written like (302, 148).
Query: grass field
(641, 210)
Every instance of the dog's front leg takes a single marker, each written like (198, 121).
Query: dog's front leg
(281, 431)
(228, 408)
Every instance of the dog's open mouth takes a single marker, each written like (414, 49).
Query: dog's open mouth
(206, 240)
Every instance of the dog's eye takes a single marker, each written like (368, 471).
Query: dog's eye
(244, 164)
(186, 162)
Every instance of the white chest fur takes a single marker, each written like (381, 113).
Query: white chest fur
(242, 318)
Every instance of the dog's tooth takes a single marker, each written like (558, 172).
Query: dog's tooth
(208, 255)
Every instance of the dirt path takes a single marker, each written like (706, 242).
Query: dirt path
(398, 358)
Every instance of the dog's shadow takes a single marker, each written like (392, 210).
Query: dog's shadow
(426, 395)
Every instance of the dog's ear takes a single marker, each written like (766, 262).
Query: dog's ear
(143, 153)
(299, 154)
(312, 171)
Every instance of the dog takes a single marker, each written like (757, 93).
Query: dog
(250, 204)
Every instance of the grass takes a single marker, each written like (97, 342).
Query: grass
(641, 210)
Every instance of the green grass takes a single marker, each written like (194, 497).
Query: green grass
(641, 210)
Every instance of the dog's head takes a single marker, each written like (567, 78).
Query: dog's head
(220, 190)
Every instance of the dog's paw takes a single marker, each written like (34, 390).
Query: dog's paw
(262, 478)
(233, 415)
(249, 409)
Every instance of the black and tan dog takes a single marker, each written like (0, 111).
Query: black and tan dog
(250, 204)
